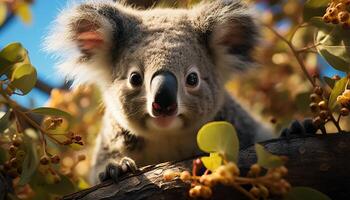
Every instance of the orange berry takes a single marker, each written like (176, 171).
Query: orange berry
(169, 175)
(185, 176)
(44, 160)
(343, 16)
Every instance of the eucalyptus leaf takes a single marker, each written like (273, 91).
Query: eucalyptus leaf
(13, 53)
(305, 193)
(333, 44)
(5, 121)
(313, 8)
(219, 137)
(213, 161)
(3, 12)
(337, 90)
(267, 159)
(24, 78)
(52, 112)
(31, 161)
(23, 11)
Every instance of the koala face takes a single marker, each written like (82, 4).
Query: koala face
(160, 70)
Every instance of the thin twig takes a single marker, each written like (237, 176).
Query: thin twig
(295, 53)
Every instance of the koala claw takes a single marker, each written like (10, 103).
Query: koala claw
(306, 127)
(115, 170)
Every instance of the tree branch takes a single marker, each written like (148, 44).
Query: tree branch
(320, 162)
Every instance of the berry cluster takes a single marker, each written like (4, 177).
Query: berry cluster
(50, 124)
(319, 107)
(46, 168)
(337, 12)
(13, 166)
(261, 186)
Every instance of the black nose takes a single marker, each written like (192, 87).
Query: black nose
(164, 89)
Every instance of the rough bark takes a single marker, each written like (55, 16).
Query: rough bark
(320, 162)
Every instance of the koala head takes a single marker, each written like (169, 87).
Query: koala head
(161, 70)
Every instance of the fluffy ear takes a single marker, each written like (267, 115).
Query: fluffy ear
(86, 38)
(230, 31)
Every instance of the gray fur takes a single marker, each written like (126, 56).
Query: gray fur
(213, 38)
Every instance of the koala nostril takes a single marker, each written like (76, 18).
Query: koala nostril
(166, 111)
(156, 107)
(170, 110)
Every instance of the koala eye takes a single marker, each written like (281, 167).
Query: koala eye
(192, 79)
(135, 79)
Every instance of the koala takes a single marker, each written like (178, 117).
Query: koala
(162, 73)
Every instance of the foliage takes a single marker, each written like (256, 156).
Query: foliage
(21, 8)
(30, 149)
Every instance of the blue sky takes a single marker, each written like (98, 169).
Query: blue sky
(31, 36)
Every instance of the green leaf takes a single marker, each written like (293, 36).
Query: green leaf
(13, 53)
(333, 44)
(267, 159)
(52, 112)
(30, 162)
(313, 8)
(305, 193)
(213, 161)
(24, 78)
(5, 121)
(3, 12)
(24, 13)
(337, 90)
(82, 184)
(219, 137)
(330, 82)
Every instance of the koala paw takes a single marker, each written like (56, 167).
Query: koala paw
(296, 128)
(115, 170)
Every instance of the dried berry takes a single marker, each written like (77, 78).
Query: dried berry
(344, 112)
(255, 169)
(44, 160)
(55, 159)
(185, 176)
(169, 175)
(318, 90)
(323, 105)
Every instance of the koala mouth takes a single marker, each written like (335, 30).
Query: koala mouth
(164, 123)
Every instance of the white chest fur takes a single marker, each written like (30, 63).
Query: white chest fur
(161, 148)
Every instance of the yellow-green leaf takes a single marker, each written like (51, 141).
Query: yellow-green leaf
(305, 193)
(267, 159)
(24, 13)
(3, 12)
(52, 112)
(24, 78)
(332, 44)
(337, 90)
(13, 53)
(213, 161)
(219, 137)
(82, 184)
